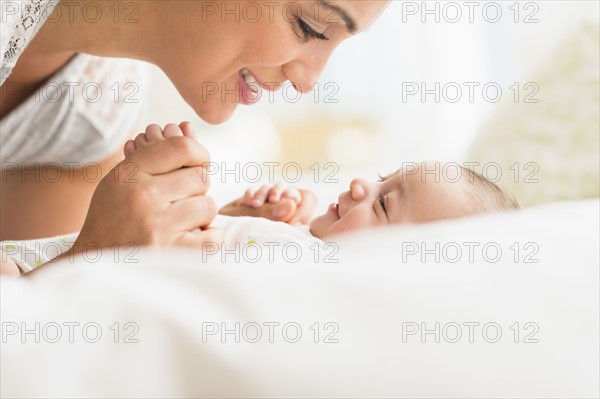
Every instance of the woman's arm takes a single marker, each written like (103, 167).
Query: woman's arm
(35, 203)
(156, 197)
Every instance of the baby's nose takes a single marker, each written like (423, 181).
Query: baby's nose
(357, 190)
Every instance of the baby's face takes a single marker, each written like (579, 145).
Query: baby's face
(404, 197)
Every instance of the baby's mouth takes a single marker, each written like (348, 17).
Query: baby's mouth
(334, 209)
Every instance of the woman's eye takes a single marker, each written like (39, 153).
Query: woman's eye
(382, 202)
(308, 32)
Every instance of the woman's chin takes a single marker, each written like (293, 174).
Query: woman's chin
(215, 114)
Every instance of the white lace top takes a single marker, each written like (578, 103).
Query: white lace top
(82, 114)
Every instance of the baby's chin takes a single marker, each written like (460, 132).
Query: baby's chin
(320, 225)
(313, 228)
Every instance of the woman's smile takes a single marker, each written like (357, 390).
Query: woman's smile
(248, 89)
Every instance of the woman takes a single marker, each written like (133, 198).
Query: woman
(217, 54)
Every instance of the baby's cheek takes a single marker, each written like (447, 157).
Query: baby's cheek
(351, 222)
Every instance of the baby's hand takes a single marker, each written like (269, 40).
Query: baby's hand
(277, 203)
(271, 194)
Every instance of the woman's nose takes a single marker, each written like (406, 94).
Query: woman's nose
(305, 71)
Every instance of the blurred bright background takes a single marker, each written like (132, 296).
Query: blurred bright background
(359, 119)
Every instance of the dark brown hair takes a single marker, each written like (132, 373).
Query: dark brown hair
(491, 197)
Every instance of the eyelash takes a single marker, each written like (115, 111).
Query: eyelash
(382, 202)
(308, 32)
(381, 197)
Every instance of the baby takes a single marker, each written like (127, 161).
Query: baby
(403, 197)
(411, 196)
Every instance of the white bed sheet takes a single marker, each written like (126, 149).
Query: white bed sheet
(371, 294)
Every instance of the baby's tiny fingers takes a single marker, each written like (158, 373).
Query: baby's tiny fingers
(275, 192)
(248, 197)
(293, 194)
(261, 196)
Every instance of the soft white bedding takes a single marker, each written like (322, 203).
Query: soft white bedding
(378, 290)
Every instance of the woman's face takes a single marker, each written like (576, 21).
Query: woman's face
(216, 45)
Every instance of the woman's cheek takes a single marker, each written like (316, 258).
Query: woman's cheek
(274, 48)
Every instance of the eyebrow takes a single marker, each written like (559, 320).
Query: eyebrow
(350, 23)
(399, 186)
(386, 178)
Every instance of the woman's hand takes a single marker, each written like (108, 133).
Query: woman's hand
(155, 197)
(277, 203)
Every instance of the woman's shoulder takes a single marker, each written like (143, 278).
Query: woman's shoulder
(19, 23)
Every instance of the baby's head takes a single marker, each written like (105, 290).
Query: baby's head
(413, 195)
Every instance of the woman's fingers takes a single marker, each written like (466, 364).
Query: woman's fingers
(183, 183)
(209, 239)
(237, 208)
(155, 196)
(190, 213)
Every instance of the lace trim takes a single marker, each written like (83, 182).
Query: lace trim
(33, 13)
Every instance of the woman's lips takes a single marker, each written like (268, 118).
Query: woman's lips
(260, 82)
(247, 96)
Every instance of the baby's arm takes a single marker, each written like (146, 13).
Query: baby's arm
(277, 203)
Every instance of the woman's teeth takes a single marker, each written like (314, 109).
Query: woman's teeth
(250, 80)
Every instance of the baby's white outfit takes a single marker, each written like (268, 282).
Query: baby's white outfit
(245, 239)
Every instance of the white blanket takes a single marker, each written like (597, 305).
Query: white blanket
(371, 308)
